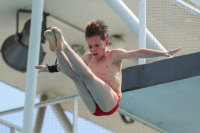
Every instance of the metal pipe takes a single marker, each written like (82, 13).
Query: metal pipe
(133, 23)
(12, 130)
(33, 59)
(41, 104)
(40, 116)
(8, 124)
(75, 116)
(62, 118)
(125, 14)
(142, 27)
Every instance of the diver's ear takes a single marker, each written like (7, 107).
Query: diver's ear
(107, 41)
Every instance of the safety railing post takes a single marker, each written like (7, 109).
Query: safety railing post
(75, 116)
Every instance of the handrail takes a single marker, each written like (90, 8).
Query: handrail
(8, 124)
(42, 104)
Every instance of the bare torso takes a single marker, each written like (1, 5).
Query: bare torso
(107, 69)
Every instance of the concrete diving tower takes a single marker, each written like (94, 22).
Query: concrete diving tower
(164, 95)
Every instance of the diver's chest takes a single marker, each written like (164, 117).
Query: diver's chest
(100, 67)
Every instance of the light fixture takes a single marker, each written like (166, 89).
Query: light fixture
(15, 48)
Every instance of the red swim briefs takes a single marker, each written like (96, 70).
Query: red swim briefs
(99, 112)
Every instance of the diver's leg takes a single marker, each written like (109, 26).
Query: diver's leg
(67, 69)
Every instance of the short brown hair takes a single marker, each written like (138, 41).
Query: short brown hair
(96, 27)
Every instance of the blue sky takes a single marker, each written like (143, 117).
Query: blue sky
(11, 98)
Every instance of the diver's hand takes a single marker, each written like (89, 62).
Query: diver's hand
(42, 68)
(171, 52)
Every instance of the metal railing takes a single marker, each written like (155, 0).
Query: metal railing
(14, 127)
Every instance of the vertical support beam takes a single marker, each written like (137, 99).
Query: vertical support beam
(12, 130)
(62, 118)
(75, 116)
(40, 115)
(142, 28)
(33, 59)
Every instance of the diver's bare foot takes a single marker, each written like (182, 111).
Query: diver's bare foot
(60, 38)
(49, 35)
